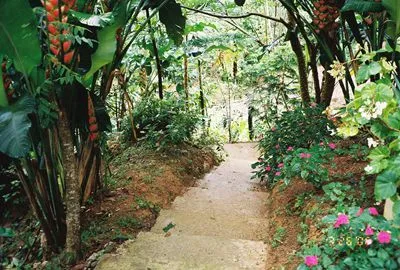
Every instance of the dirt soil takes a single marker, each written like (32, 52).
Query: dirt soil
(285, 213)
(141, 182)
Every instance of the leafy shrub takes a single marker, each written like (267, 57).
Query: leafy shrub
(295, 129)
(306, 163)
(163, 122)
(355, 239)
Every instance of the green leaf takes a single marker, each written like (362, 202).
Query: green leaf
(378, 166)
(380, 152)
(107, 41)
(363, 73)
(395, 145)
(392, 6)
(168, 227)
(18, 34)
(385, 185)
(92, 19)
(379, 130)
(6, 232)
(14, 128)
(374, 68)
(171, 16)
(362, 6)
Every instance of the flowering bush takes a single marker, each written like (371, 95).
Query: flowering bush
(356, 238)
(295, 129)
(376, 107)
(307, 164)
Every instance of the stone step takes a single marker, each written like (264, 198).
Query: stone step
(212, 223)
(185, 252)
(224, 202)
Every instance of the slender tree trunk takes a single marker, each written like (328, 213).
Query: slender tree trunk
(186, 77)
(315, 74)
(202, 101)
(156, 55)
(301, 62)
(327, 88)
(72, 188)
(250, 122)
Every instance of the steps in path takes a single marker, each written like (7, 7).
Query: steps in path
(219, 225)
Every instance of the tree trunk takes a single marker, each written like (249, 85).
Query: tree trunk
(301, 62)
(314, 70)
(186, 77)
(72, 188)
(202, 101)
(250, 122)
(157, 57)
(327, 88)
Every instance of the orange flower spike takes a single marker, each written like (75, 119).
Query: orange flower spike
(68, 57)
(67, 46)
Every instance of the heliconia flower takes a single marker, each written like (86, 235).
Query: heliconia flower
(369, 231)
(290, 148)
(359, 212)
(342, 219)
(311, 261)
(277, 173)
(268, 168)
(384, 237)
(368, 241)
(332, 146)
(373, 211)
(280, 165)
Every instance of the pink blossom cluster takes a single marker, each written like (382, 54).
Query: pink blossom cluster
(383, 237)
(305, 155)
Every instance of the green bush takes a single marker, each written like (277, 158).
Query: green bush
(295, 129)
(163, 122)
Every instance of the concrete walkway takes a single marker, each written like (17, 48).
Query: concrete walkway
(218, 225)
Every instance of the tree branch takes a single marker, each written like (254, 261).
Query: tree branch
(220, 16)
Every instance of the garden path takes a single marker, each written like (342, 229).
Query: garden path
(220, 224)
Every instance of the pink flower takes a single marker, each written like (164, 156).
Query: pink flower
(311, 260)
(305, 155)
(280, 165)
(268, 168)
(342, 219)
(273, 129)
(359, 212)
(321, 144)
(369, 231)
(384, 237)
(373, 211)
(290, 148)
(277, 146)
(332, 146)
(313, 104)
(368, 241)
(277, 173)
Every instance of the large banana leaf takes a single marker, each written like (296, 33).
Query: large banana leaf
(362, 6)
(18, 34)
(171, 16)
(393, 8)
(14, 128)
(107, 41)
